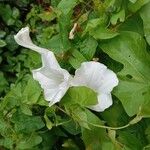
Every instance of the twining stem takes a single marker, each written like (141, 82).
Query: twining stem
(61, 123)
(133, 121)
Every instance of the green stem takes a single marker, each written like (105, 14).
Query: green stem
(137, 118)
(61, 123)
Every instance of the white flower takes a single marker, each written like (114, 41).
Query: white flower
(56, 81)
(52, 78)
(100, 79)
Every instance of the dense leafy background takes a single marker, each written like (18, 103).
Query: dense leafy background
(114, 32)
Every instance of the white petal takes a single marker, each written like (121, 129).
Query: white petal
(104, 101)
(49, 60)
(90, 75)
(109, 81)
(48, 57)
(100, 79)
(54, 82)
(95, 76)
(53, 79)
(23, 39)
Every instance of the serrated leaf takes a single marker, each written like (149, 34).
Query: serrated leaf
(118, 16)
(134, 87)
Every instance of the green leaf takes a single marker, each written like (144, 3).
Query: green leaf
(49, 139)
(78, 114)
(120, 16)
(128, 25)
(93, 23)
(147, 132)
(49, 124)
(29, 142)
(72, 127)
(12, 98)
(2, 33)
(144, 13)
(11, 44)
(25, 109)
(76, 59)
(96, 28)
(66, 6)
(55, 44)
(109, 145)
(70, 144)
(95, 137)
(54, 3)
(103, 33)
(45, 36)
(88, 47)
(4, 126)
(134, 87)
(15, 13)
(32, 61)
(134, 144)
(137, 5)
(3, 82)
(7, 142)
(133, 1)
(64, 20)
(26, 124)
(112, 117)
(80, 95)
(41, 101)
(8, 14)
(64, 23)
(2, 43)
(31, 92)
(47, 16)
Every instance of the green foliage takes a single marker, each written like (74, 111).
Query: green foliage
(80, 95)
(114, 32)
(144, 15)
(134, 78)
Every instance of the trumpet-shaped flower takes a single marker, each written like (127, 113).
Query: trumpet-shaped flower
(56, 81)
(52, 78)
(100, 79)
